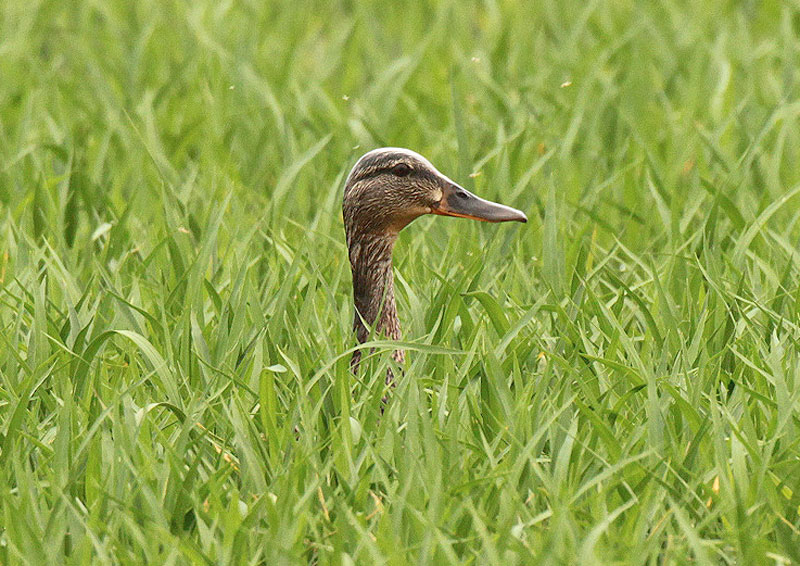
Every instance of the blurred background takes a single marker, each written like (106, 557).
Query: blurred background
(271, 101)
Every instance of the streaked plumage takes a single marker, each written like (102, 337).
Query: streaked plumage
(387, 189)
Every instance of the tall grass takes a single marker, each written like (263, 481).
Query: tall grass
(615, 382)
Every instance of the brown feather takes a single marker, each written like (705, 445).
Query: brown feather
(386, 190)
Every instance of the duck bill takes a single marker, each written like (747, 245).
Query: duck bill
(457, 201)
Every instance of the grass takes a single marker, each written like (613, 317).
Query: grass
(615, 382)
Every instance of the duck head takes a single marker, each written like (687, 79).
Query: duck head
(389, 187)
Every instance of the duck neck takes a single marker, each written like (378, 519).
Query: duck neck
(373, 285)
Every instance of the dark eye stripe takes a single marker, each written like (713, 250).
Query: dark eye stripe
(401, 170)
(379, 166)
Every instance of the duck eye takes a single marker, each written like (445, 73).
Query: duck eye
(401, 170)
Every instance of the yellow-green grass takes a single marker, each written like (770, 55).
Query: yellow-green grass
(615, 382)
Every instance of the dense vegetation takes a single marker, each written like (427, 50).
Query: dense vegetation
(615, 382)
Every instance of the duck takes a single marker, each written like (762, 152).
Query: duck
(386, 190)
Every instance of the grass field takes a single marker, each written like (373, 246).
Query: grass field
(615, 382)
